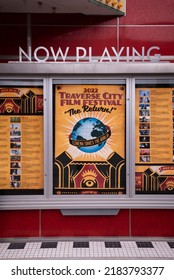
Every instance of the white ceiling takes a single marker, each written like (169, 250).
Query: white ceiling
(53, 6)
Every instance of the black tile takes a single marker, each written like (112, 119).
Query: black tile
(112, 245)
(144, 244)
(47, 245)
(171, 245)
(16, 246)
(81, 245)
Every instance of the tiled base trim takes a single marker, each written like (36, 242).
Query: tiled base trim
(87, 250)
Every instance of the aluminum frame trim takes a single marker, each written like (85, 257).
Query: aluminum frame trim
(132, 137)
(127, 136)
(86, 68)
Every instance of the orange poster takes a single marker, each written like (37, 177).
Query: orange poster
(89, 139)
(21, 140)
(154, 140)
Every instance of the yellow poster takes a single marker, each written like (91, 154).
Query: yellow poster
(21, 140)
(154, 140)
(89, 139)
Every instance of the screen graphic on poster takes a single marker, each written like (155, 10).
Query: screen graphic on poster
(89, 139)
(21, 145)
(154, 140)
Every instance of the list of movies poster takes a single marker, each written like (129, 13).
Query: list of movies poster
(89, 140)
(21, 140)
(154, 140)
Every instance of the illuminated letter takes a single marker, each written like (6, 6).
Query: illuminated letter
(135, 52)
(90, 56)
(21, 52)
(44, 59)
(59, 52)
(105, 52)
(154, 58)
(127, 54)
(117, 54)
(78, 56)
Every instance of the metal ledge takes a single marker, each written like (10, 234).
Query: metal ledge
(89, 212)
(86, 68)
(86, 203)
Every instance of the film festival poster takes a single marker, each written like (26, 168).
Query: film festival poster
(21, 140)
(89, 140)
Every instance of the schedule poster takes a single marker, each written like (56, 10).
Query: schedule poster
(21, 140)
(154, 140)
(89, 140)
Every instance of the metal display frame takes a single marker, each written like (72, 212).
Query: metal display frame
(104, 73)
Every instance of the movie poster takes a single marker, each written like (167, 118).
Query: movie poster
(21, 140)
(154, 140)
(89, 140)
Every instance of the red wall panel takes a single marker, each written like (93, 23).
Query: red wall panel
(143, 223)
(55, 224)
(96, 37)
(18, 223)
(72, 31)
(149, 12)
(11, 38)
(153, 223)
(137, 37)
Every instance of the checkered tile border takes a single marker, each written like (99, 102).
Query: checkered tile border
(87, 249)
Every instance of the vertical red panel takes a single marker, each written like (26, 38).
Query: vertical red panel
(156, 222)
(16, 223)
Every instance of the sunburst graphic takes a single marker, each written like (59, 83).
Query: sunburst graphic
(111, 144)
(102, 106)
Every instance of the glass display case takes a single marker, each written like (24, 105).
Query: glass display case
(21, 137)
(154, 150)
(86, 136)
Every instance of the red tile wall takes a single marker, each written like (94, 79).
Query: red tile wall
(147, 23)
